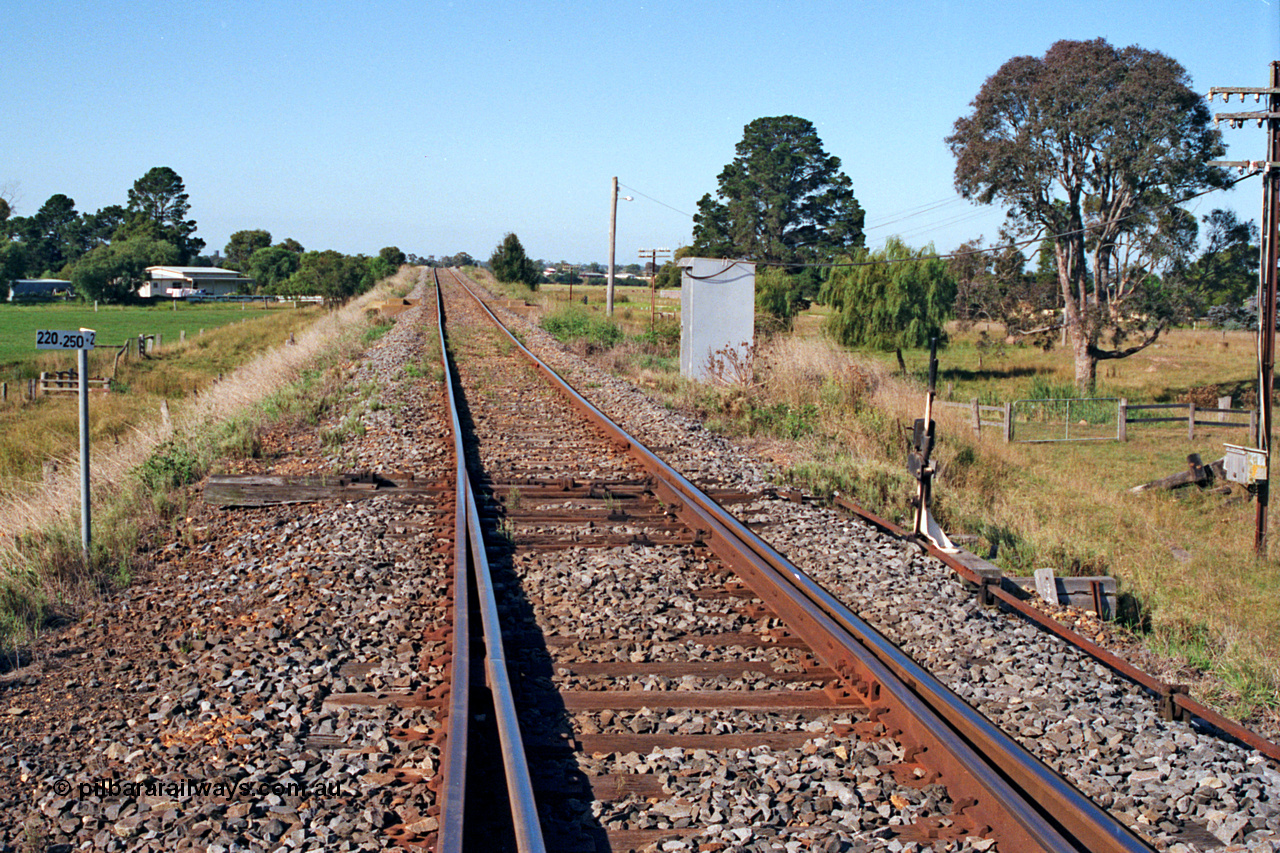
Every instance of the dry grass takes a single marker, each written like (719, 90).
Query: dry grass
(836, 421)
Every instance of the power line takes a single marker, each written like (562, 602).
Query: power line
(963, 217)
(656, 201)
(919, 210)
(1017, 244)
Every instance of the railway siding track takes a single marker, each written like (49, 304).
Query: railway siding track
(974, 800)
(1183, 787)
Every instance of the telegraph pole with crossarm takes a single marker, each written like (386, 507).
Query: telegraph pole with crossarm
(1270, 257)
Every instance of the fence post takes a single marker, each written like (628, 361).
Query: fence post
(1122, 420)
(1191, 421)
(1008, 422)
(1223, 403)
(977, 417)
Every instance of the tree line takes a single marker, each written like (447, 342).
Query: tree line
(105, 254)
(1090, 149)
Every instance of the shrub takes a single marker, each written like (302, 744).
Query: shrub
(573, 324)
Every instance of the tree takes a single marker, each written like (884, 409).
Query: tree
(54, 235)
(1226, 273)
(271, 266)
(13, 264)
(510, 264)
(158, 206)
(333, 275)
(462, 259)
(892, 299)
(292, 245)
(101, 227)
(114, 272)
(783, 199)
(242, 245)
(392, 257)
(1086, 146)
(992, 284)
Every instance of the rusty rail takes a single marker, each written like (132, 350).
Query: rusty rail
(1175, 703)
(470, 560)
(454, 761)
(1031, 806)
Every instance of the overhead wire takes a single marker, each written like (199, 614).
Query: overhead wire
(1016, 244)
(920, 210)
(655, 201)
(963, 217)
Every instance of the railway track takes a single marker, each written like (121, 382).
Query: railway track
(676, 682)
(667, 691)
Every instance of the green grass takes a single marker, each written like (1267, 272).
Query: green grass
(113, 324)
(42, 571)
(573, 323)
(33, 431)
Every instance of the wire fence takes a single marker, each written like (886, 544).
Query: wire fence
(1094, 418)
(1082, 419)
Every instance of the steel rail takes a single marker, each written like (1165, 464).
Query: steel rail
(1174, 700)
(453, 791)
(524, 808)
(1027, 799)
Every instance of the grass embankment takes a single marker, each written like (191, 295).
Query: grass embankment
(114, 324)
(837, 421)
(37, 431)
(137, 483)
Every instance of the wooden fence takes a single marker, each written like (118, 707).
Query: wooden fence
(1194, 416)
(1092, 418)
(68, 382)
(979, 415)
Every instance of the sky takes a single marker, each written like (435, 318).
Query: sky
(438, 127)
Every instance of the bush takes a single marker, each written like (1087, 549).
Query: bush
(573, 324)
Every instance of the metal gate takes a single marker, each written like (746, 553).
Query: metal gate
(1080, 419)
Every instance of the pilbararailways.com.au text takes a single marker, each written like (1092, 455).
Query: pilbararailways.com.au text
(187, 788)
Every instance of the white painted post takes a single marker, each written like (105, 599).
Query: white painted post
(82, 363)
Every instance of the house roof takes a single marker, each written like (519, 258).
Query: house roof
(27, 286)
(192, 272)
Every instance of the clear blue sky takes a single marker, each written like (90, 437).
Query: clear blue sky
(438, 127)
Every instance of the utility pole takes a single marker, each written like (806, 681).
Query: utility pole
(1270, 257)
(613, 242)
(653, 279)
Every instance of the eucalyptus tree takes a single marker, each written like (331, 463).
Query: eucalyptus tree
(1091, 146)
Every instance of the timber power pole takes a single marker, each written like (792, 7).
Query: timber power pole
(613, 242)
(1270, 258)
